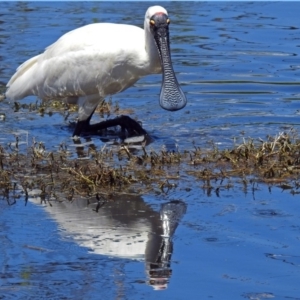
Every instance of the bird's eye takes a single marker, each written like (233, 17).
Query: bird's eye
(168, 21)
(152, 22)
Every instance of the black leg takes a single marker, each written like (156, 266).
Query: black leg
(126, 123)
(80, 126)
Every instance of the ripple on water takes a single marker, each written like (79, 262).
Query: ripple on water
(238, 63)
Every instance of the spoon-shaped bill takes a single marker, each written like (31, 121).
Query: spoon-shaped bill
(171, 95)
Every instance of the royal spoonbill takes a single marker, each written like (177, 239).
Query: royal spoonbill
(94, 61)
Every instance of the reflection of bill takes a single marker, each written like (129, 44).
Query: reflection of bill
(159, 267)
(125, 227)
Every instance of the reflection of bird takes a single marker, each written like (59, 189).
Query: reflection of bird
(97, 60)
(160, 268)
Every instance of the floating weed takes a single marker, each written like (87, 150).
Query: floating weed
(103, 172)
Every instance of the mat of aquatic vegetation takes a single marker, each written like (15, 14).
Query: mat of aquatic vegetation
(52, 175)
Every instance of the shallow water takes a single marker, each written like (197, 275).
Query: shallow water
(239, 66)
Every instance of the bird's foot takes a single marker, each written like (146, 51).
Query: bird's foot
(126, 123)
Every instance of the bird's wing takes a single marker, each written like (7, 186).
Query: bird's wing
(97, 58)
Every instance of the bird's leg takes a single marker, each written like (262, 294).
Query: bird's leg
(126, 123)
(80, 126)
(83, 125)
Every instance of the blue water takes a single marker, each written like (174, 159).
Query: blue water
(238, 63)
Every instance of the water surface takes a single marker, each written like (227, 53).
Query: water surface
(239, 66)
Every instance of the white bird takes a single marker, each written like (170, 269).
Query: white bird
(94, 61)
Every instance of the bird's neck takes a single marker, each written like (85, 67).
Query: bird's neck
(152, 51)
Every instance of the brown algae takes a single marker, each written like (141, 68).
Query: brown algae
(57, 175)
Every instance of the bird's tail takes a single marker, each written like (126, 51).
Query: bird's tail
(22, 82)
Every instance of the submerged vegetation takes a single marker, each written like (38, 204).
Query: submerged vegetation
(51, 175)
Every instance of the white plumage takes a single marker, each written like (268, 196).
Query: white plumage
(89, 63)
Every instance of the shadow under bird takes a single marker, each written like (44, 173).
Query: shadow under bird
(94, 61)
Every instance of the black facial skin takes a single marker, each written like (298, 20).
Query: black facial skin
(159, 25)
